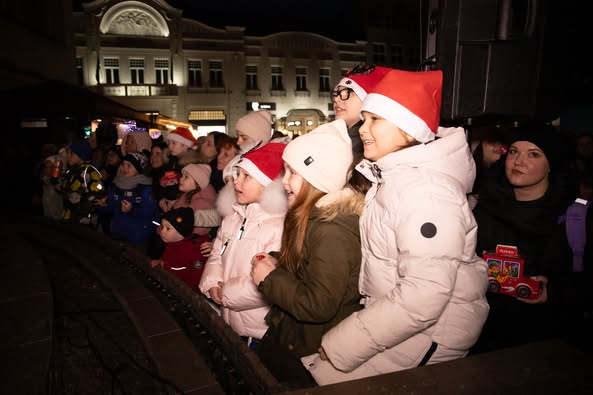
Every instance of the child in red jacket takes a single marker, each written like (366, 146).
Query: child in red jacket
(182, 256)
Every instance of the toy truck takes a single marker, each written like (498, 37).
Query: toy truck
(505, 273)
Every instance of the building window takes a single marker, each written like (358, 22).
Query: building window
(216, 80)
(379, 53)
(206, 115)
(277, 84)
(324, 80)
(301, 78)
(194, 70)
(397, 55)
(137, 71)
(161, 70)
(79, 72)
(250, 77)
(111, 70)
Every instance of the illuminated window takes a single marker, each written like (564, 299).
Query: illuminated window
(111, 70)
(161, 70)
(216, 78)
(194, 70)
(251, 77)
(324, 80)
(206, 115)
(277, 84)
(137, 71)
(301, 78)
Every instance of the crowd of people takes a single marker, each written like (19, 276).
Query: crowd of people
(356, 249)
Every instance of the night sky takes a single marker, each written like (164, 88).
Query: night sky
(338, 20)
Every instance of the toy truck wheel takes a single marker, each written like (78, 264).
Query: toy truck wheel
(493, 286)
(523, 291)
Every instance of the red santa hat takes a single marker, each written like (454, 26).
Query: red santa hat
(183, 136)
(265, 163)
(362, 79)
(409, 99)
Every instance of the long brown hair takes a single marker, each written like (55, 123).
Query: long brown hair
(295, 226)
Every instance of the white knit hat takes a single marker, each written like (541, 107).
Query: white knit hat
(323, 156)
(257, 125)
(199, 172)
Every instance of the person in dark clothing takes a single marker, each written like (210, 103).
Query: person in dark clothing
(523, 204)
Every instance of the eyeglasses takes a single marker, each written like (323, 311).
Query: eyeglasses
(361, 69)
(344, 93)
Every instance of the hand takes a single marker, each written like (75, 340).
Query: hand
(101, 202)
(206, 248)
(156, 262)
(165, 204)
(126, 206)
(543, 292)
(216, 294)
(261, 265)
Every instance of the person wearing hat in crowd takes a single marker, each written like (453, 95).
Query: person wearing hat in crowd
(422, 283)
(81, 184)
(199, 195)
(253, 219)
(522, 205)
(182, 144)
(181, 256)
(313, 282)
(254, 129)
(131, 202)
(136, 141)
(347, 99)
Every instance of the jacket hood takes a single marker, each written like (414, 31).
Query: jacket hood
(344, 202)
(448, 154)
(273, 199)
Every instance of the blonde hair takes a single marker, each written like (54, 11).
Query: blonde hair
(296, 220)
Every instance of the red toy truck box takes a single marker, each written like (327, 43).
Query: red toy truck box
(505, 273)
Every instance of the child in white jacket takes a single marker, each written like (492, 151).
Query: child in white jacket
(423, 284)
(253, 219)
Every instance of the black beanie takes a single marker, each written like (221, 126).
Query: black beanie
(182, 219)
(546, 138)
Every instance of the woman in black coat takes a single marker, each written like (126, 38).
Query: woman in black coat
(523, 204)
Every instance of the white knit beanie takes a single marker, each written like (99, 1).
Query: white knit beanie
(199, 172)
(257, 125)
(323, 156)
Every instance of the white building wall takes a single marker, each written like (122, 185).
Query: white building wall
(185, 40)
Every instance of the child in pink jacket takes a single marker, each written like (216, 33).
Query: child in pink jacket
(253, 217)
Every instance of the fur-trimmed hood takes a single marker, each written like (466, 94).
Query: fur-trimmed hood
(273, 199)
(343, 202)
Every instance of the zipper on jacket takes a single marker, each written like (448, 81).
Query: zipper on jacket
(224, 245)
(242, 229)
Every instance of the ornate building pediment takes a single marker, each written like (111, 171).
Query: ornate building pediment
(134, 18)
